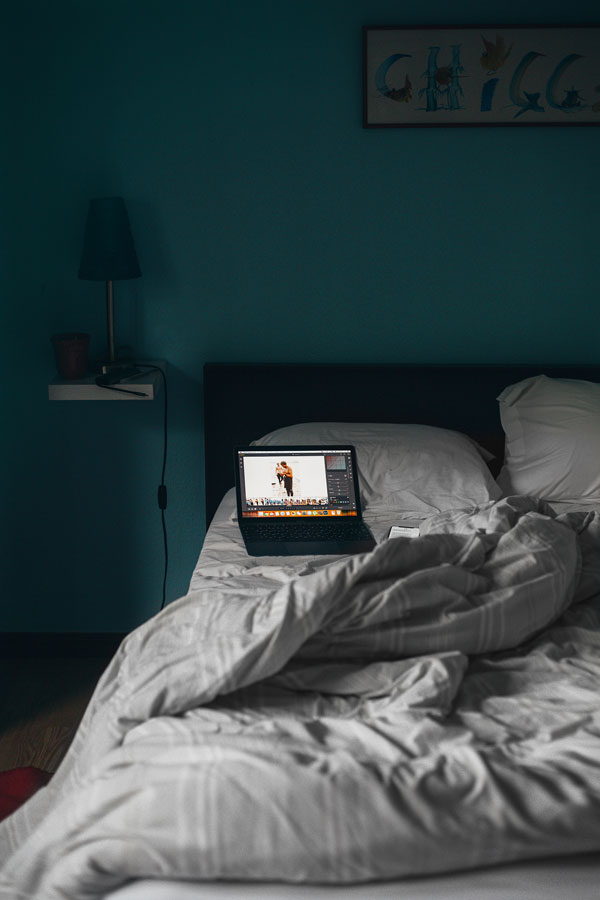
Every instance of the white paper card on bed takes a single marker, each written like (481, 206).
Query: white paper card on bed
(552, 429)
(407, 530)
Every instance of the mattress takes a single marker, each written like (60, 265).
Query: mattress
(557, 879)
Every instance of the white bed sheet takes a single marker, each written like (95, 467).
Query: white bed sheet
(223, 551)
(576, 877)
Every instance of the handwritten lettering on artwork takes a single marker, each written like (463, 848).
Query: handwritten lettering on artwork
(480, 76)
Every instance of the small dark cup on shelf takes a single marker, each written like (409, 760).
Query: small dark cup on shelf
(71, 352)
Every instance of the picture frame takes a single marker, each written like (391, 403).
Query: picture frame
(431, 76)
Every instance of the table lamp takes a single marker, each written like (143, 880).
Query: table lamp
(109, 255)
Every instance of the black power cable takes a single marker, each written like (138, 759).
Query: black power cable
(162, 488)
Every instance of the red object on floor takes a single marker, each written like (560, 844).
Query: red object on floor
(18, 785)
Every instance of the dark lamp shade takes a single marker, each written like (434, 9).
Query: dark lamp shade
(108, 249)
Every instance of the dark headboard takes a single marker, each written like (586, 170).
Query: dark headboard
(244, 401)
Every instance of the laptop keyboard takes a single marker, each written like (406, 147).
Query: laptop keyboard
(307, 531)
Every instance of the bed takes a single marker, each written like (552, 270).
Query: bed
(418, 723)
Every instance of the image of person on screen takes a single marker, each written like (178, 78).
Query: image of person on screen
(288, 478)
(279, 472)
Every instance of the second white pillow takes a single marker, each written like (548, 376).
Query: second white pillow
(552, 429)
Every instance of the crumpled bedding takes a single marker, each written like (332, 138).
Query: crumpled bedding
(429, 707)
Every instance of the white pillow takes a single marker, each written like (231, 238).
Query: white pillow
(404, 467)
(552, 429)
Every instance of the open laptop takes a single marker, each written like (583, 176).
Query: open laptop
(300, 500)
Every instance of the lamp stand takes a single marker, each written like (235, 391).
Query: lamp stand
(113, 366)
(110, 322)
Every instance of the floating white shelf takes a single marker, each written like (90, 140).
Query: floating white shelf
(148, 385)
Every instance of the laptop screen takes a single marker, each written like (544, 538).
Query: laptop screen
(305, 481)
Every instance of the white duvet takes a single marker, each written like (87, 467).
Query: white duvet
(429, 707)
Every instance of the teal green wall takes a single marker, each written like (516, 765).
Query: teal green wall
(269, 226)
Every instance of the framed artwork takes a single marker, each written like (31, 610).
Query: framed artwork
(481, 75)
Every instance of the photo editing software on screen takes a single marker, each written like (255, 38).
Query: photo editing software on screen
(300, 483)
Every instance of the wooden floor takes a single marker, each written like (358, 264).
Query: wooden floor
(41, 705)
